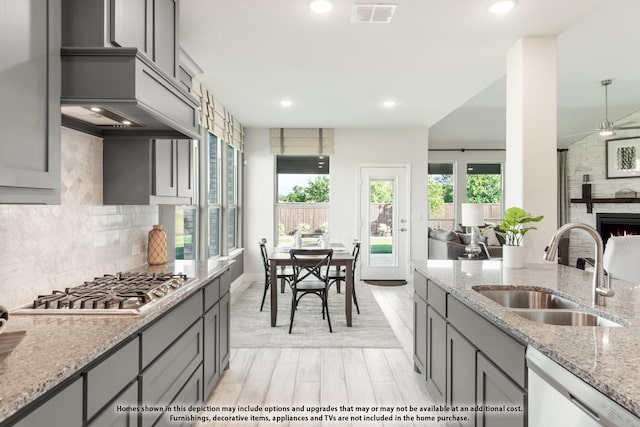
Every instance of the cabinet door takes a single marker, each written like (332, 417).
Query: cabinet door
(436, 355)
(164, 168)
(165, 40)
(495, 389)
(224, 331)
(30, 102)
(128, 23)
(184, 167)
(419, 333)
(211, 349)
(461, 373)
(63, 408)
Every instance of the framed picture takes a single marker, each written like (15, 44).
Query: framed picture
(623, 157)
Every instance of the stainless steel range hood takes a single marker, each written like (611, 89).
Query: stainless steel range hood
(118, 91)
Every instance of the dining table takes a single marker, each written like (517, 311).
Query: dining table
(342, 257)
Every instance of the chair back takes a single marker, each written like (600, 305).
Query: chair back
(356, 254)
(311, 264)
(621, 257)
(265, 255)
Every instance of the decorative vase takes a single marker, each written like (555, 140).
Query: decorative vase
(157, 249)
(513, 256)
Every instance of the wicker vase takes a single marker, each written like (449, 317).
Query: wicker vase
(157, 253)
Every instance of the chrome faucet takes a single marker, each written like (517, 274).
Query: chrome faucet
(601, 289)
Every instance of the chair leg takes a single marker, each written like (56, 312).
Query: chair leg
(293, 309)
(326, 307)
(355, 298)
(264, 295)
(282, 285)
(338, 285)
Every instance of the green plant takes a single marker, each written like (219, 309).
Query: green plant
(303, 227)
(512, 227)
(383, 229)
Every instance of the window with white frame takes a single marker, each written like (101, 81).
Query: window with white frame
(232, 160)
(303, 197)
(214, 207)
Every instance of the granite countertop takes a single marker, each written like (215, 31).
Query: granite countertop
(606, 358)
(57, 346)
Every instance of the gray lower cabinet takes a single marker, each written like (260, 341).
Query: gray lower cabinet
(461, 372)
(144, 172)
(436, 355)
(177, 359)
(468, 361)
(30, 102)
(495, 389)
(63, 407)
(113, 417)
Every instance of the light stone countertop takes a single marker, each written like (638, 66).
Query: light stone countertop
(58, 346)
(606, 358)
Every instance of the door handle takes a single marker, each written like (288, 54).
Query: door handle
(403, 229)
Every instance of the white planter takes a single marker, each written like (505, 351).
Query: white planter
(513, 256)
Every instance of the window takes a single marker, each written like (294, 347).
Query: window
(186, 232)
(441, 195)
(484, 185)
(214, 225)
(303, 197)
(232, 198)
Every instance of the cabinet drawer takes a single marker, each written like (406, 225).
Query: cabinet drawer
(63, 407)
(437, 298)
(225, 282)
(164, 378)
(420, 284)
(107, 379)
(504, 351)
(162, 333)
(112, 417)
(211, 293)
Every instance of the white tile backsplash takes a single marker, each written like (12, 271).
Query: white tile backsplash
(53, 247)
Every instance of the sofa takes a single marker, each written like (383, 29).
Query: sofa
(448, 244)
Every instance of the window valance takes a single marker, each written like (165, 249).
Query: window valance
(301, 141)
(217, 119)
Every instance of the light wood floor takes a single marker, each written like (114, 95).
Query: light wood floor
(368, 377)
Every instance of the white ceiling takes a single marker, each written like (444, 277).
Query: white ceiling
(442, 61)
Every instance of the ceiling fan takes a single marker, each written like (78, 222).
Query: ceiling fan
(607, 128)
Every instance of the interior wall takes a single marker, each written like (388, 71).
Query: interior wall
(53, 247)
(588, 156)
(352, 147)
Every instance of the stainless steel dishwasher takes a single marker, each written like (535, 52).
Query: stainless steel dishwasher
(559, 398)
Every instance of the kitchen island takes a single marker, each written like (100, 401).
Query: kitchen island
(606, 358)
(62, 350)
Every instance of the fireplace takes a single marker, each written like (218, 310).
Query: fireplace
(617, 224)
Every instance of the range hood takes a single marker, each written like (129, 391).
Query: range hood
(115, 91)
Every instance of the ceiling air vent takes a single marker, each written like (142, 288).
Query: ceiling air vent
(372, 13)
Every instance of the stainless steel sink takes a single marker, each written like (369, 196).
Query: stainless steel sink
(527, 299)
(566, 318)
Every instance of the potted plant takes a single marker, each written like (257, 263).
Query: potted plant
(513, 228)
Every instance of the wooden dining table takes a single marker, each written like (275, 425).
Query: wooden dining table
(342, 257)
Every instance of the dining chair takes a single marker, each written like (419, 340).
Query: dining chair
(620, 259)
(285, 274)
(339, 275)
(310, 267)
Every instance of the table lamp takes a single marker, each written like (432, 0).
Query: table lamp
(473, 217)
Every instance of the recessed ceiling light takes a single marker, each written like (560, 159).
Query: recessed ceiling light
(286, 103)
(389, 103)
(321, 6)
(126, 122)
(96, 109)
(501, 6)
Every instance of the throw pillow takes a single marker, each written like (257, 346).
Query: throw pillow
(447, 236)
(492, 238)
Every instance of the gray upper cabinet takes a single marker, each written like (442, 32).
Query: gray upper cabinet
(144, 172)
(30, 102)
(151, 26)
(165, 39)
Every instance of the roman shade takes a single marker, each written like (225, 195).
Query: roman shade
(301, 141)
(217, 119)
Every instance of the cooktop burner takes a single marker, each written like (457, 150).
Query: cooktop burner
(127, 292)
